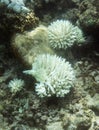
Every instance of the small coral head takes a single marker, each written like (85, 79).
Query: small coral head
(63, 34)
(16, 85)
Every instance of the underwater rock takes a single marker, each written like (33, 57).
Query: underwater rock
(78, 121)
(28, 45)
(54, 126)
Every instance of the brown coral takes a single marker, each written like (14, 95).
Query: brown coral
(18, 22)
(11, 22)
(29, 44)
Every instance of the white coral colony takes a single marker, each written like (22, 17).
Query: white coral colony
(16, 5)
(63, 34)
(55, 76)
(16, 85)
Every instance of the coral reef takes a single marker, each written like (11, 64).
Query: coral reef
(58, 75)
(62, 34)
(25, 110)
(79, 121)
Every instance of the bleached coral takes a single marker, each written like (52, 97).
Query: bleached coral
(16, 85)
(63, 34)
(16, 5)
(54, 74)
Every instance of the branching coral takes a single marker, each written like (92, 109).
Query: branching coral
(62, 34)
(55, 76)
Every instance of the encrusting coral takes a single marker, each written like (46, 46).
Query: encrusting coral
(54, 74)
(28, 45)
(14, 22)
(62, 34)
